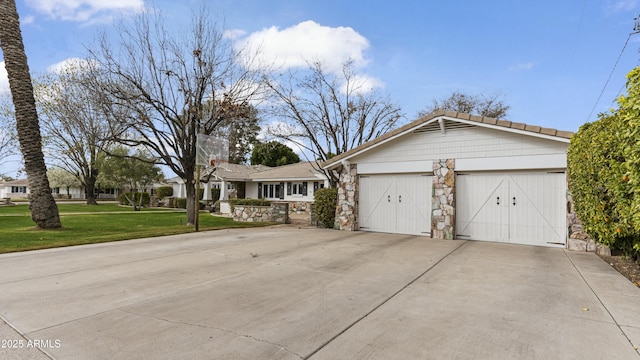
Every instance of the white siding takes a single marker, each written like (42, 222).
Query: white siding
(465, 143)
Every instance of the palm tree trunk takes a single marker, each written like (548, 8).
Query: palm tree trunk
(44, 210)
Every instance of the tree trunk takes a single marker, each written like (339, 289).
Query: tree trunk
(191, 198)
(44, 210)
(91, 186)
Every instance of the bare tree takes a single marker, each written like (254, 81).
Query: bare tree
(328, 114)
(75, 123)
(8, 137)
(44, 210)
(482, 105)
(165, 77)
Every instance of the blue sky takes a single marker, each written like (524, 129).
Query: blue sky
(548, 59)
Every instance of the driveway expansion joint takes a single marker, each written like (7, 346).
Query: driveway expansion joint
(463, 242)
(231, 332)
(603, 304)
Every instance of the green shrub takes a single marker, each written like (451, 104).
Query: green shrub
(181, 203)
(146, 198)
(164, 191)
(602, 165)
(249, 202)
(325, 205)
(215, 194)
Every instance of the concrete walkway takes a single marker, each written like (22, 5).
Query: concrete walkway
(289, 293)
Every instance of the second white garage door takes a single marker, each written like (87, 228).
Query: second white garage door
(395, 203)
(523, 208)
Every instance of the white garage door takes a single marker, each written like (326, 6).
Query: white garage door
(395, 203)
(523, 208)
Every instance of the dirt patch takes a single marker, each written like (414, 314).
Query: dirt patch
(625, 266)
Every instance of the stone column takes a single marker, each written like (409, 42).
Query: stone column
(346, 208)
(443, 201)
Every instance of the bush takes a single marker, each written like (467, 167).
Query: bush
(603, 176)
(250, 202)
(325, 205)
(181, 203)
(215, 194)
(164, 191)
(146, 198)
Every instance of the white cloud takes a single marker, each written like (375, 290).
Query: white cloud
(307, 41)
(29, 19)
(84, 10)
(4, 79)
(70, 63)
(362, 84)
(622, 5)
(522, 67)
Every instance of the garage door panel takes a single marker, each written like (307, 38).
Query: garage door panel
(530, 209)
(375, 208)
(395, 203)
(485, 203)
(414, 204)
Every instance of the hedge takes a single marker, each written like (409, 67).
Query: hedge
(325, 206)
(164, 191)
(604, 178)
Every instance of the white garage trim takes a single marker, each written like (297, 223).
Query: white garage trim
(396, 167)
(530, 162)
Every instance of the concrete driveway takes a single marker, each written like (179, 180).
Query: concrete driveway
(289, 293)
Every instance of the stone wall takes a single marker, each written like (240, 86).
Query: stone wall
(443, 201)
(578, 239)
(346, 209)
(276, 212)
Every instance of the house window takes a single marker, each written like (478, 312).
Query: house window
(296, 189)
(19, 189)
(55, 190)
(231, 186)
(271, 191)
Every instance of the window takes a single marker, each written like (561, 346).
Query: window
(19, 189)
(297, 189)
(271, 191)
(55, 190)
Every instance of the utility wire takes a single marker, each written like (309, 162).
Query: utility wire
(611, 74)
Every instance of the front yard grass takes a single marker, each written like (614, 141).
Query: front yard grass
(82, 224)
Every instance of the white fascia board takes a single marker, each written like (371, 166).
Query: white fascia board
(511, 130)
(369, 148)
(398, 167)
(287, 179)
(551, 161)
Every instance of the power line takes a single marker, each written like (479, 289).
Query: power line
(635, 29)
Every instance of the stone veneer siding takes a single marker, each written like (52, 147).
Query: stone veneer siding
(276, 212)
(346, 209)
(443, 200)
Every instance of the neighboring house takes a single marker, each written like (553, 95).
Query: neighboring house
(15, 189)
(290, 183)
(454, 176)
(293, 183)
(20, 189)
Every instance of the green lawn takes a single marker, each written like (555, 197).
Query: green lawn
(103, 223)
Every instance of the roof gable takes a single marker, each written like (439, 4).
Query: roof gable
(440, 121)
